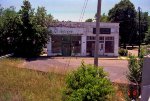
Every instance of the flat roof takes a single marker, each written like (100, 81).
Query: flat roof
(82, 24)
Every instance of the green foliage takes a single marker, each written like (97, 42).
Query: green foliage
(88, 83)
(135, 72)
(42, 17)
(147, 49)
(148, 21)
(144, 24)
(135, 69)
(147, 37)
(123, 52)
(135, 66)
(34, 32)
(24, 33)
(8, 28)
(124, 12)
(89, 20)
(104, 18)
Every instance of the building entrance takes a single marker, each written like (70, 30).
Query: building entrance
(66, 46)
(66, 49)
(101, 49)
(71, 45)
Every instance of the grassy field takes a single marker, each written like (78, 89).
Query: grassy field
(18, 84)
(26, 85)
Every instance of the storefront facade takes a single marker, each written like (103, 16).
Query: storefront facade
(78, 39)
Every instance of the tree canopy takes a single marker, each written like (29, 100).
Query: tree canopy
(24, 33)
(124, 13)
(104, 18)
(147, 37)
(89, 20)
(143, 24)
(149, 21)
(8, 29)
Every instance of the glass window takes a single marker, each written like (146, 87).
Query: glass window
(93, 38)
(66, 44)
(103, 30)
(109, 38)
(101, 38)
(56, 44)
(76, 44)
(109, 47)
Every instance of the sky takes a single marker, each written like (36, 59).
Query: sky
(70, 10)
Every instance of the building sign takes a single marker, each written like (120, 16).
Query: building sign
(103, 30)
(67, 31)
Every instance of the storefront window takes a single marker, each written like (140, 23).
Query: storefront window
(102, 31)
(76, 44)
(109, 46)
(56, 44)
(66, 45)
(93, 38)
(90, 48)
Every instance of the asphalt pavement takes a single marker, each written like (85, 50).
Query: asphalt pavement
(116, 68)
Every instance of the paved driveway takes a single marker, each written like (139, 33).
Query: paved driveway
(117, 69)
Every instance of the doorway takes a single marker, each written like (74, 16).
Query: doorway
(66, 45)
(101, 49)
(66, 49)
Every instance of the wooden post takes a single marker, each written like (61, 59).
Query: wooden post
(98, 15)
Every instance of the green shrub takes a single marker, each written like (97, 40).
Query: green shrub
(123, 52)
(88, 83)
(134, 74)
(135, 65)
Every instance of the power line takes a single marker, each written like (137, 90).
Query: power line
(83, 10)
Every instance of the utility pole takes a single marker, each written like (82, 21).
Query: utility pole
(98, 15)
(139, 50)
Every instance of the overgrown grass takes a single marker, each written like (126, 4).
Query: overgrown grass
(18, 84)
(26, 85)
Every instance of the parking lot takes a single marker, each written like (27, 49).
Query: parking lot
(116, 68)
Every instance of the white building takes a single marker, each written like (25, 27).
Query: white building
(78, 39)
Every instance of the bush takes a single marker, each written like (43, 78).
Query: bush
(123, 52)
(134, 75)
(88, 83)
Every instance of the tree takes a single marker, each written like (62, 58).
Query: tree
(34, 34)
(144, 24)
(135, 70)
(24, 33)
(134, 76)
(147, 37)
(89, 20)
(148, 21)
(43, 18)
(125, 14)
(8, 29)
(104, 18)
